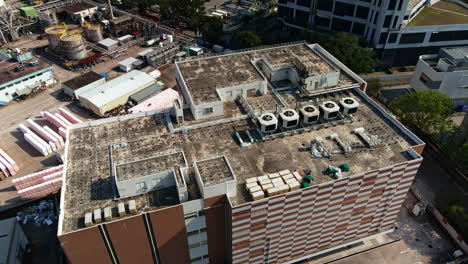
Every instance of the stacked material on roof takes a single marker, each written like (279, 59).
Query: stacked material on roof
(272, 184)
(7, 165)
(39, 184)
(164, 99)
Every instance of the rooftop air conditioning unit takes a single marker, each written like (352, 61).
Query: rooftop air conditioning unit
(329, 109)
(348, 105)
(289, 118)
(309, 114)
(268, 123)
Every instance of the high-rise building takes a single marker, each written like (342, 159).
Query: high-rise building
(406, 28)
(279, 156)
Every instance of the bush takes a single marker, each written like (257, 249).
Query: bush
(451, 207)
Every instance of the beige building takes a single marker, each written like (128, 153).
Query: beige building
(116, 92)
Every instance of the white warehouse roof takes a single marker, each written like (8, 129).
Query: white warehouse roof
(118, 87)
(128, 61)
(108, 42)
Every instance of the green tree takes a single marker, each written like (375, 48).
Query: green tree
(247, 39)
(187, 13)
(211, 29)
(426, 111)
(374, 86)
(350, 50)
(461, 156)
(451, 207)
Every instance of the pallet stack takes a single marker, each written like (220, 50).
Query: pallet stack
(273, 184)
(7, 165)
(39, 184)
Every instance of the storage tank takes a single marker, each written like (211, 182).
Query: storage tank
(92, 32)
(170, 38)
(73, 47)
(54, 33)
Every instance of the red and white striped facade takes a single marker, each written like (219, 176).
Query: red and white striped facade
(299, 223)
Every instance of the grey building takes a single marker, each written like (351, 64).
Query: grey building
(446, 72)
(407, 27)
(13, 242)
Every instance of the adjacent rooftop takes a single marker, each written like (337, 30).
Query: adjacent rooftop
(9, 72)
(78, 7)
(442, 13)
(82, 80)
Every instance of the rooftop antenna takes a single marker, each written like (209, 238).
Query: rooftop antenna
(110, 8)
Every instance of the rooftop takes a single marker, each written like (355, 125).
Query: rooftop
(203, 76)
(115, 88)
(87, 180)
(413, 3)
(8, 71)
(442, 13)
(82, 80)
(78, 7)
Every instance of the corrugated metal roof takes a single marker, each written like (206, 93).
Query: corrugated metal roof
(146, 93)
(116, 88)
(108, 42)
(128, 61)
(164, 99)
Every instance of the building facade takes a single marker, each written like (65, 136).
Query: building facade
(13, 242)
(227, 191)
(15, 82)
(446, 72)
(410, 27)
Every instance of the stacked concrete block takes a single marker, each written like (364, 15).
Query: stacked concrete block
(297, 176)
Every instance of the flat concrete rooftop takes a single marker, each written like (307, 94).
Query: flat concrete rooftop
(88, 184)
(441, 13)
(203, 76)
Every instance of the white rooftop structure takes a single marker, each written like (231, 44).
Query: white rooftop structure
(118, 87)
(128, 61)
(145, 52)
(108, 42)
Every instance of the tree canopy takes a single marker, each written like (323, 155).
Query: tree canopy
(425, 111)
(374, 86)
(211, 29)
(350, 50)
(182, 12)
(247, 39)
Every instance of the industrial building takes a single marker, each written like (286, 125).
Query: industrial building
(115, 92)
(146, 93)
(446, 72)
(246, 186)
(108, 44)
(21, 78)
(400, 30)
(81, 84)
(81, 11)
(13, 242)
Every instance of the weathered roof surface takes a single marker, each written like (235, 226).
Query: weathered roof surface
(162, 100)
(115, 88)
(78, 7)
(9, 74)
(83, 80)
(108, 42)
(146, 93)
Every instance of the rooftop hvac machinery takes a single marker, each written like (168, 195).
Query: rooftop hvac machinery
(268, 123)
(329, 109)
(348, 105)
(309, 114)
(288, 118)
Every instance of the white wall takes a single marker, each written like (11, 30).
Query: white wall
(6, 94)
(70, 92)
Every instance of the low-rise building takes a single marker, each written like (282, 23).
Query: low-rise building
(129, 64)
(13, 242)
(19, 79)
(81, 11)
(446, 72)
(115, 92)
(146, 93)
(82, 84)
(108, 44)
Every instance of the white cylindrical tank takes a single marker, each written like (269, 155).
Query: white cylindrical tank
(54, 33)
(170, 38)
(161, 44)
(73, 47)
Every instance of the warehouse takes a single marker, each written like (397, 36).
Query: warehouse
(19, 79)
(116, 92)
(81, 12)
(146, 93)
(82, 84)
(108, 44)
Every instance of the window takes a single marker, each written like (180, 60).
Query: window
(140, 187)
(325, 5)
(388, 20)
(191, 215)
(303, 3)
(383, 38)
(341, 25)
(192, 233)
(196, 259)
(392, 4)
(395, 22)
(362, 12)
(376, 17)
(393, 38)
(358, 28)
(343, 9)
(302, 18)
(321, 20)
(423, 78)
(412, 38)
(400, 4)
(208, 110)
(202, 230)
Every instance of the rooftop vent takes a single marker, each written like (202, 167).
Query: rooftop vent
(348, 105)
(329, 109)
(309, 114)
(268, 123)
(289, 118)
